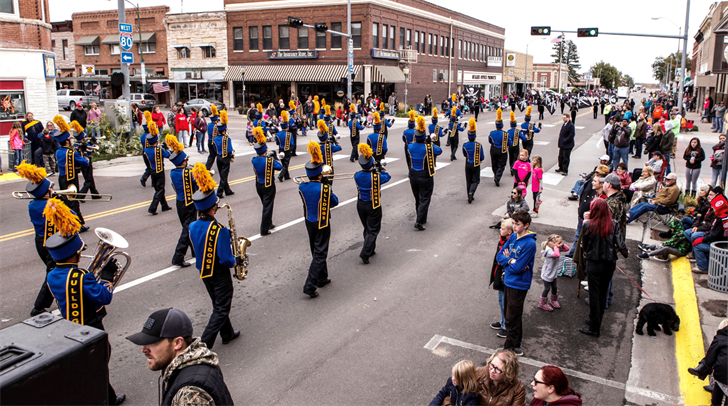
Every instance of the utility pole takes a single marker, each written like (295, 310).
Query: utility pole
(124, 67)
(141, 54)
(350, 51)
(561, 56)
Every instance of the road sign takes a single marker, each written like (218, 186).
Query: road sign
(127, 57)
(125, 41)
(125, 27)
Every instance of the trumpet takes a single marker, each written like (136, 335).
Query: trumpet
(70, 194)
(327, 173)
(109, 241)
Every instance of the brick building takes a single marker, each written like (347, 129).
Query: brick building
(198, 55)
(96, 41)
(27, 70)
(278, 59)
(63, 48)
(546, 75)
(709, 53)
(517, 72)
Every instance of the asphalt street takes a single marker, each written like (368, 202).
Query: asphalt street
(372, 335)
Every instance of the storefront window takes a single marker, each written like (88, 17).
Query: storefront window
(12, 105)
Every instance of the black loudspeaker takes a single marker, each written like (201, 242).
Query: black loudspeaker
(48, 360)
(117, 78)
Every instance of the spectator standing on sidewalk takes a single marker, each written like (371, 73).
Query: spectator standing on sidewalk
(171, 116)
(182, 125)
(716, 160)
(566, 144)
(200, 127)
(551, 251)
(158, 118)
(79, 115)
(16, 144)
(621, 143)
(392, 101)
(592, 190)
(639, 134)
(496, 277)
(694, 157)
(718, 117)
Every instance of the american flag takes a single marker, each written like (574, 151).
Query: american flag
(556, 40)
(97, 88)
(161, 87)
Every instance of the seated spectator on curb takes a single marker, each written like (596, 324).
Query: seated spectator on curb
(699, 215)
(514, 204)
(677, 244)
(498, 382)
(701, 245)
(579, 185)
(645, 184)
(551, 387)
(461, 388)
(625, 179)
(716, 361)
(666, 197)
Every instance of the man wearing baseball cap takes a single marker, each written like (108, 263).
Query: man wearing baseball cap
(579, 185)
(666, 197)
(190, 371)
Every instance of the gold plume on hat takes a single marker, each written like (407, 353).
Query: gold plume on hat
(420, 124)
(454, 97)
(284, 116)
(31, 172)
(173, 144)
(223, 117)
(471, 125)
(513, 116)
(315, 98)
(315, 151)
(412, 115)
(259, 107)
(453, 112)
(203, 178)
(147, 116)
(352, 107)
(75, 126)
(292, 105)
(61, 124)
(499, 115)
(381, 106)
(323, 101)
(327, 108)
(62, 218)
(153, 129)
(213, 110)
(365, 150)
(259, 135)
(316, 106)
(322, 126)
(376, 118)
(528, 110)
(434, 112)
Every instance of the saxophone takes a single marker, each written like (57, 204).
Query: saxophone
(239, 246)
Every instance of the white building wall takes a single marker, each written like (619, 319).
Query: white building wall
(40, 93)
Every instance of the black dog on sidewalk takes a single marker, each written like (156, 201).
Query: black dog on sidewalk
(656, 314)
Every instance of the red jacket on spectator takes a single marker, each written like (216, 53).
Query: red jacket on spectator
(181, 123)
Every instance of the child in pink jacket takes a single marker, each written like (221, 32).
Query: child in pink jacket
(536, 183)
(523, 171)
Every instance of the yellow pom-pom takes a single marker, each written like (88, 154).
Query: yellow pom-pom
(453, 112)
(365, 150)
(259, 135)
(61, 124)
(352, 107)
(292, 105)
(316, 106)
(420, 124)
(284, 116)
(513, 116)
(327, 109)
(203, 178)
(62, 218)
(31, 172)
(315, 151)
(147, 116)
(454, 97)
(376, 118)
(259, 107)
(173, 144)
(223, 117)
(322, 126)
(213, 110)
(499, 115)
(411, 115)
(471, 125)
(153, 130)
(528, 110)
(75, 126)
(434, 112)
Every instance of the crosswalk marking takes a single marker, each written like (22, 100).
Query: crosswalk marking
(552, 178)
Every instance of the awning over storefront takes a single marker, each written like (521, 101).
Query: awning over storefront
(387, 74)
(110, 40)
(289, 73)
(206, 44)
(148, 37)
(88, 40)
(181, 46)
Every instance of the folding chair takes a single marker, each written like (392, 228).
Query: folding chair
(654, 218)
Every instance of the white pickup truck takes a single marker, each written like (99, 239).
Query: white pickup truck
(69, 98)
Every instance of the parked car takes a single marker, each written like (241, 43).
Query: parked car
(203, 106)
(143, 101)
(69, 98)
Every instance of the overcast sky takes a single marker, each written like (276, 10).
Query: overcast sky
(632, 55)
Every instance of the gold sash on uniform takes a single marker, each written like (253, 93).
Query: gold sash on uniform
(187, 184)
(287, 146)
(74, 295)
(354, 129)
(530, 131)
(380, 144)
(70, 165)
(208, 260)
(476, 159)
(504, 144)
(268, 172)
(224, 146)
(376, 191)
(158, 162)
(32, 123)
(430, 158)
(324, 203)
(515, 138)
(329, 158)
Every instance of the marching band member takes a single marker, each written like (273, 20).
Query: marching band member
(184, 186)
(41, 188)
(143, 139)
(259, 122)
(369, 206)
(435, 128)
(286, 141)
(498, 140)
(292, 127)
(155, 154)
(333, 132)
(84, 305)
(453, 138)
(318, 200)
(322, 111)
(327, 146)
(224, 151)
(355, 128)
(527, 131)
(264, 168)
(69, 163)
(421, 172)
(316, 107)
(377, 140)
(212, 238)
(514, 140)
(473, 153)
(408, 136)
(211, 134)
(382, 116)
(89, 184)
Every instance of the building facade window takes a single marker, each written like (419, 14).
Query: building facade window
(148, 47)
(284, 41)
(429, 44)
(417, 41)
(183, 53)
(336, 39)
(391, 37)
(402, 43)
(443, 46)
(114, 49)
(209, 52)
(434, 75)
(9, 7)
(356, 34)
(422, 42)
(91, 50)
(267, 37)
(409, 38)
(435, 47)
(375, 35)
(303, 38)
(460, 49)
(385, 37)
(237, 38)
(53, 42)
(253, 38)
(320, 40)
(64, 43)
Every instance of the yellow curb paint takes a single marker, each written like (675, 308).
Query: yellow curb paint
(9, 176)
(689, 349)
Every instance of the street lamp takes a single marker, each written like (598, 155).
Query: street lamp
(242, 71)
(679, 28)
(406, 72)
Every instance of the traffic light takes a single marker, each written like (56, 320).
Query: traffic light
(295, 22)
(587, 32)
(540, 30)
(321, 27)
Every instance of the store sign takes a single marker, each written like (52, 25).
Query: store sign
(495, 61)
(510, 59)
(293, 54)
(385, 53)
(474, 78)
(49, 64)
(87, 69)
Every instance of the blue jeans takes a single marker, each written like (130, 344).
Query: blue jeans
(719, 125)
(93, 130)
(716, 174)
(667, 161)
(642, 208)
(391, 110)
(501, 297)
(702, 254)
(201, 141)
(576, 237)
(18, 156)
(610, 152)
(578, 186)
(687, 223)
(309, 118)
(692, 236)
(620, 153)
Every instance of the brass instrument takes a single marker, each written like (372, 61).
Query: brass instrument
(70, 193)
(239, 246)
(278, 157)
(327, 173)
(109, 241)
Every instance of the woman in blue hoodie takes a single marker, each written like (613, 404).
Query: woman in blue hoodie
(461, 388)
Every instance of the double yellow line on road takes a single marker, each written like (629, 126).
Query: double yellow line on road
(123, 209)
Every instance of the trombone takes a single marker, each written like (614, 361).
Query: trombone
(70, 193)
(327, 173)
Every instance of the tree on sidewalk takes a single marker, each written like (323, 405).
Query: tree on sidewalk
(672, 63)
(609, 76)
(566, 53)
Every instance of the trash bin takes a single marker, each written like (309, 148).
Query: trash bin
(718, 266)
(11, 156)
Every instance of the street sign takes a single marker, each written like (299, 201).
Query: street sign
(125, 28)
(127, 57)
(125, 41)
